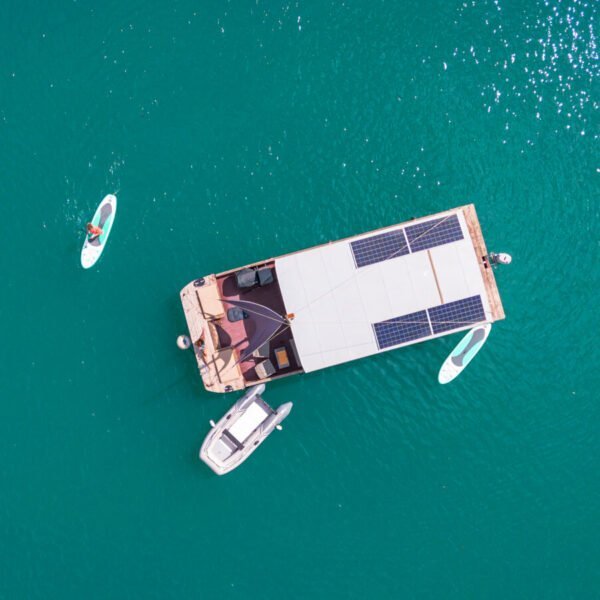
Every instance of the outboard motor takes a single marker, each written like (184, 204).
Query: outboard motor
(500, 258)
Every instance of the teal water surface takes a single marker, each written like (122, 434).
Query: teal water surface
(236, 131)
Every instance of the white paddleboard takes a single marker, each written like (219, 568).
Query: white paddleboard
(104, 217)
(464, 352)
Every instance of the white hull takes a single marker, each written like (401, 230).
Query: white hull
(239, 432)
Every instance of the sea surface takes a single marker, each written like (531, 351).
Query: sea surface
(236, 131)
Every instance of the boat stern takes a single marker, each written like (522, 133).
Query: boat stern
(218, 364)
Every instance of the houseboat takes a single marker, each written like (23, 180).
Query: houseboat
(348, 299)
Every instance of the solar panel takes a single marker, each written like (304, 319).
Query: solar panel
(434, 233)
(454, 315)
(378, 248)
(402, 329)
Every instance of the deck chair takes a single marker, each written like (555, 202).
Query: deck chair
(265, 276)
(236, 314)
(245, 279)
(262, 351)
(265, 369)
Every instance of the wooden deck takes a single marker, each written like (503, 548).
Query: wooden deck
(218, 366)
(486, 269)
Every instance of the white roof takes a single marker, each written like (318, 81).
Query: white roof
(254, 415)
(336, 304)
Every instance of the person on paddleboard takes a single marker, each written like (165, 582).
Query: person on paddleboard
(93, 231)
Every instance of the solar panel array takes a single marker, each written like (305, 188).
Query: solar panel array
(415, 326)
(378, 248)
(400, 242)
(457, 314)
(433, 233)
(402, 329)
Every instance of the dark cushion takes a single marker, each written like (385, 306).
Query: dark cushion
(245, 278)
(265, 369)
(265, 276)
(236, 314)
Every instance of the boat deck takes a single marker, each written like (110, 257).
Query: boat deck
(351, 298)
(237, 334)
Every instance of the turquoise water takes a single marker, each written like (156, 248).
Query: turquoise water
(232, 132)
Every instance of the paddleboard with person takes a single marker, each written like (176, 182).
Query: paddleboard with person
(98, 230)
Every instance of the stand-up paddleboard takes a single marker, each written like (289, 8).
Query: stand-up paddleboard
(104, 218)
(464, 353)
